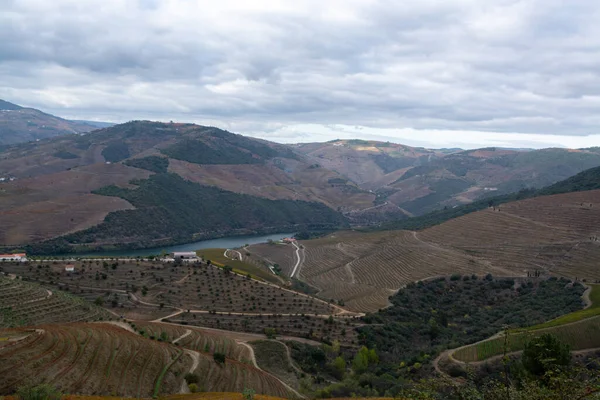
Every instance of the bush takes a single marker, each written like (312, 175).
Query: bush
(39, 392)
(193, 387)
(219, 358)
(191, 378)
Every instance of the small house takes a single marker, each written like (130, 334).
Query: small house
(70, 268)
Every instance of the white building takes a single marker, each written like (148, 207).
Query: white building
(185, 255)
(70, 268)
(22, 257)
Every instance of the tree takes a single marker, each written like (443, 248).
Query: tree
(99, 301)
(271, 333)
(361, 360)
(339, 367)
(543, 353)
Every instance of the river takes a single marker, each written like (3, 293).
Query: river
(222, 243)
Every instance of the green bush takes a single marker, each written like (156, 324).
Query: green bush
(39, 392)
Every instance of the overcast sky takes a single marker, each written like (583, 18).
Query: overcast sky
(448, 73)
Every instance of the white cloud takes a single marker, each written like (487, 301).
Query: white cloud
(452, 71)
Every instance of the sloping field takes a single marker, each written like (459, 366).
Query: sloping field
(23, 303)
(102, 359)
(556, 233)
(91, 359)
(46, 206)
(203, 341)
(363, 270)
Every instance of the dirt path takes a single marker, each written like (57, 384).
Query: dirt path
(181, 280)
(187, 333)
(297, 260)
(233, 258)
(195, 361)
(586, 296)
(253, 358)
(120, 324)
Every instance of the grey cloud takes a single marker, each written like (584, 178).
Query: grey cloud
(528, 66)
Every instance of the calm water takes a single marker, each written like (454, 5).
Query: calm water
(223, 243)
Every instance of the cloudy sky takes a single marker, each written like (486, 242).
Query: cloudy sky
(448, 73)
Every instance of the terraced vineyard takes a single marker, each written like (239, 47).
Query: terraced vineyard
(91, 359)
(198, 340)
(551, 234)
(363, 270)
(556, 233)
(24, 303)
(103, 359)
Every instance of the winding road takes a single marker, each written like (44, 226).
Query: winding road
(297, 260)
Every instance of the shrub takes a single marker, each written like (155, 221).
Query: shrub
(193, 387)
(219, 358)
(39, 392)
(248, 394)
(191, 378)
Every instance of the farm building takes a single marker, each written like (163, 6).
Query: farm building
(70, 268)
(13, 257)
(288, 240)
(185, 255)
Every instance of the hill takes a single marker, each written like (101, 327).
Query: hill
(418, 180)
(59, 184)
(19, 124)
(24, 304)
(553, 234)
(105, 359)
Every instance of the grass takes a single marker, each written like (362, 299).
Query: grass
(217, 258)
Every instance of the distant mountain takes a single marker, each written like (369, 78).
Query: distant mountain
(418, 180)
(97, 124)
(148, 183)
(19, 124)
(191, 182)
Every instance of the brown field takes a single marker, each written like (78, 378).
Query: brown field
(298, 183)
(46, 206)
(363, 270)
(553, 234)
(92, 359)
(24, 303)
(556, 234)
(103, 359)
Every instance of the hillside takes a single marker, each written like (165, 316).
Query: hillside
(418, 180)
(23, 304)
(555, 234)
(19, 124)
(59, 184)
